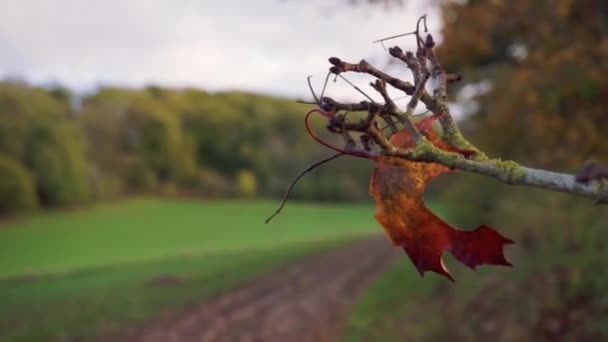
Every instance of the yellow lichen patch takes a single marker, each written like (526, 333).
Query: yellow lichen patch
(510, 171)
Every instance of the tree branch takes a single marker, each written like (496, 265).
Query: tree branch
(510, 172)
(590, 182)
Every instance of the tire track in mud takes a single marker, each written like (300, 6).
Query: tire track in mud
(305, 301)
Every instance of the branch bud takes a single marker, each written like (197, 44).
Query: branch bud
(429, 43)
(395, 51)
(335, 61)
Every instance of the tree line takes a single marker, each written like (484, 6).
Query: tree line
(60, 150)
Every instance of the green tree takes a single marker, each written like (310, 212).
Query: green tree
(17, 192)
(36, 129)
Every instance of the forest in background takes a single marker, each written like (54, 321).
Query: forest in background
(58, 150)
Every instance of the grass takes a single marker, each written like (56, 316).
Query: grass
(151, 229)
(78, 274)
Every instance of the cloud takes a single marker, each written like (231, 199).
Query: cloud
(267, 46)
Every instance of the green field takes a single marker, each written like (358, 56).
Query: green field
(148, 229)
(77, 274)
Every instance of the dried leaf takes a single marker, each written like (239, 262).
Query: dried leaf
(398, 186)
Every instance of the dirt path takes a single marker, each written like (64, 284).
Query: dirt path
(306, 301)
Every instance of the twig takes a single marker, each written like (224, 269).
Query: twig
(409, 59)
(417, 32)
(364, 67)
(380, 86)
(324, 85)
(438, 70)
(393, 37)
(352, 107)
(356, 88)
(312, 90)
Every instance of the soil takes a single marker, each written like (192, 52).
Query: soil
(305, 301)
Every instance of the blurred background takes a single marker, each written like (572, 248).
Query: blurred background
(143, 144)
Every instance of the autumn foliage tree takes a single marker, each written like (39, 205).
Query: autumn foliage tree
(543, 64)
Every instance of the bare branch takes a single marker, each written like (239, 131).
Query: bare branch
(409, 59)
(438, 70)
(364, 67)
(589, 182)
(380, 86)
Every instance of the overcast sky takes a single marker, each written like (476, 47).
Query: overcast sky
(264, 46)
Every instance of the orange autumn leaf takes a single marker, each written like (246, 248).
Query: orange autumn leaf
(398, 186)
